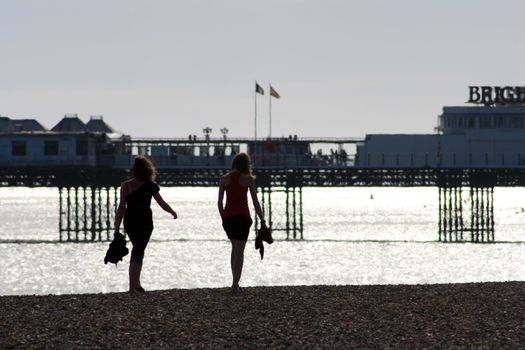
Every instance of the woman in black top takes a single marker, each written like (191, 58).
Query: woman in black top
(134, 207)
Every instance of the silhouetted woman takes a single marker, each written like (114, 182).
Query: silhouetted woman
(236, 219)
(134, 206)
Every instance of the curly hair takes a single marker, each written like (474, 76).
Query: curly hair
(144, 169)
(242, 163)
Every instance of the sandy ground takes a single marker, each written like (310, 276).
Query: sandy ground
(448, 316)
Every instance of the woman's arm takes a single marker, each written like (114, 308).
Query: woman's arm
(121, 208)
(164, 205)
(220, 200)
(256, 204)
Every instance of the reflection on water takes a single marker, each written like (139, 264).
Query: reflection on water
(350, 239)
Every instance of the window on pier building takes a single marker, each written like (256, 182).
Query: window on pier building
(82, 147)
(50, 148)
(450, 122)
(471, 123)
(18, 148)
(499, 122)
(461, 123)
(456, 122)
(485, 122)
(516, 122)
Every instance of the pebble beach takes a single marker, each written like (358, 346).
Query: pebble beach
(440, 316)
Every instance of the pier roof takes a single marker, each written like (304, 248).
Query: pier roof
(19, 125)
(97, 124)
(70, 124)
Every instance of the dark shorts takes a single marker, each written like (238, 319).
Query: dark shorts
(237, 227)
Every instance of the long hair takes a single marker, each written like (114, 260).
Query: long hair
(242, 163)
(144, 169)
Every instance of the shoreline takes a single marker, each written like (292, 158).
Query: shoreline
(466, 315)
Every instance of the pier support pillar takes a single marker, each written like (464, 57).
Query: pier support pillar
(86, 213)
(466, 215)
(283, 207)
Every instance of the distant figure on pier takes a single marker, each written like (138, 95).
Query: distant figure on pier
(236, 218)
(134, 207)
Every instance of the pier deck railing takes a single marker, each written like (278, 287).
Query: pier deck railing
(271, 176)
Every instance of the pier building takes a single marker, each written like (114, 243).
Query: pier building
(466, 137)
(70, 143)
(280, 152)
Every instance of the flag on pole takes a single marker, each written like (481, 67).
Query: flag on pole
(274, 93)
(259, 89)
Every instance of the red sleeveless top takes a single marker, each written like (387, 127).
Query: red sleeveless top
(236, 197)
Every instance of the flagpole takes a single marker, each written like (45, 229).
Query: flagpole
(270, 110)
(255, 123)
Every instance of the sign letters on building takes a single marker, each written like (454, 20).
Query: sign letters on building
(497, 95)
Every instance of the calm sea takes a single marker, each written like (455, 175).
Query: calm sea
(352, 236)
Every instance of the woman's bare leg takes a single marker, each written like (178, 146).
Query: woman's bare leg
(134, 275)
(232, 256)
(237, 262)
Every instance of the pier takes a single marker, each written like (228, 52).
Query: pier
(88, 196)
(474, 150)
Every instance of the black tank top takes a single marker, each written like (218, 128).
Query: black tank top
(137, 216)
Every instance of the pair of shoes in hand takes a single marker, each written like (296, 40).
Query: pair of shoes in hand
(117, 249)
(264, 234)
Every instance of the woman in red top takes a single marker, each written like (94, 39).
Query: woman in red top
(236, 219)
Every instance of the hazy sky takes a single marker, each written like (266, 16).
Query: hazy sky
(171, 68)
